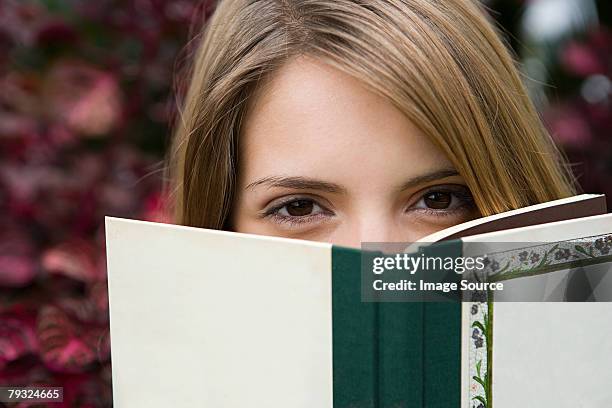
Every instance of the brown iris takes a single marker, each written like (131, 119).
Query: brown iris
(300, 208)
(438, 200)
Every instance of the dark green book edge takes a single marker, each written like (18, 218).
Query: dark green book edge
(393, 354)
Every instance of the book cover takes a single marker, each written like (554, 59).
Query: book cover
(228, 319)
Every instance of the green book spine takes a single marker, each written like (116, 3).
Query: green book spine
(400, 363)
(392, 354)
(442, 355)
(354, 335)
(442, 338)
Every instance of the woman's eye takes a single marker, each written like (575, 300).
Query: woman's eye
(299, 208)
(438, 200)
(446, 200)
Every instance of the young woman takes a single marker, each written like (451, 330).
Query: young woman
(356, 120)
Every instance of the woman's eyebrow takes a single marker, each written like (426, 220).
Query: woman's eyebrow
(428, 177)
(298, 183)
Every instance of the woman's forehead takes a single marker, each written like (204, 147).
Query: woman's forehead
(313, 118)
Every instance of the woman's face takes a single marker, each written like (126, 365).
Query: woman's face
(323, 158)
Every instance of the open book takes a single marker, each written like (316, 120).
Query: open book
(221, 319)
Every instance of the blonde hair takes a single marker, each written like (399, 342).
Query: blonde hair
(441, 62)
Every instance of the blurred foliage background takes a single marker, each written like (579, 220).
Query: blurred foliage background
(85, 110)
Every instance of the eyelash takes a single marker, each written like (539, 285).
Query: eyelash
(461, 193)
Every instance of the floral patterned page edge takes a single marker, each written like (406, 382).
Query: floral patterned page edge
(522, 262)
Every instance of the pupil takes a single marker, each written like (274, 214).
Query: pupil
(299, 208)
(438, 200)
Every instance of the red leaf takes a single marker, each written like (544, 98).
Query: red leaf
(61, 342)
(75, 259)
(17, 338)
(85, 98)
(16, 270)
(17, 256)
(580, 59)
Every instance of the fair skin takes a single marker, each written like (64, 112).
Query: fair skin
(323, 158)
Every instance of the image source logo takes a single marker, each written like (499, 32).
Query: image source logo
(418, 277)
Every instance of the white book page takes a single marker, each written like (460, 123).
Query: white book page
(549, 354)
(198, 319)
(552, 355)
